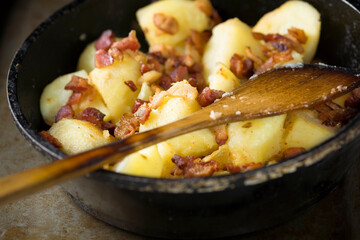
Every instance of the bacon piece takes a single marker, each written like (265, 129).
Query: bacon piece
(77, 84)
(103, 59)
(142, 113)
(116, 54)
(131, 85)
(243, 168)
(137, 104)
(152, 64)
(157, 55)
(292, 152)
(166, 23)
(75, 98)
(50, 139)
(352, 101)
(64, 112)
(106, 39)
(208, 96)
(171, 63)
(221, 135)
(131, 42)
(204, 6)
(299, 34)
(165, 82)
(157, 99)
(252, 57)
(193, 167)
(197, 40)
(178, 74)
(92, 115)
(241, 67)
(332, 115)
(127, 126)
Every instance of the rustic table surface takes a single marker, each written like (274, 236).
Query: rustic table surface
(52, 215)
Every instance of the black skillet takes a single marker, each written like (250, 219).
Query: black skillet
(190, 208)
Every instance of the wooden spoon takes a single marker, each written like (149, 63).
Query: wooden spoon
(274, 92)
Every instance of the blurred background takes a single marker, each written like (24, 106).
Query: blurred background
(52, 215)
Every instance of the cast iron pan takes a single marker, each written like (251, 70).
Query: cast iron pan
(191, 208)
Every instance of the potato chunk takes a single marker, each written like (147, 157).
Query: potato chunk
(78, 136)
(54, 96)
(170, 22)
(110, 83)
(228, 38)
(296, 14)
(256, 140)
(172, 108)
(87, 58)
(223, 79)
(305, 130)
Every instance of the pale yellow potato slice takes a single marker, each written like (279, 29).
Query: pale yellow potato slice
(305, 130)
(146, 162)
(87, 58)
(256, 140)
(297, 14)
(223, 79)
(187, 16)
(54, 96)
(78, 136)
(145, 92)
(229, 37)
(110, 83)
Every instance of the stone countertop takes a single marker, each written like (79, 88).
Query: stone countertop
(52, 215)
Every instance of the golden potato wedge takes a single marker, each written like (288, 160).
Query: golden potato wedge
(170, 21)
(78, 136)
(296, 14)
(305, 130)
(223, 79)
(229, 37)
(110, 83)
(256, 140)
(87, 58)
(54, 96)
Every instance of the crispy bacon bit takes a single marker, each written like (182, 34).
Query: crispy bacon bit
(77, 84)
(64, 112)
(204, 6)
(137, 104)
(103, 59)
(142, 113)
(252, 57)
(75, 98)
(198, 40)
(292, 152)
(332, 114)
(171, 63)
(127, 126)
(152, 64)
(50, 139)
(165, 82)
(241, 67)
(193, 167)
(208, 96)
(221, 135)
(280, 42)
(157, 99)
(166, 23)
(92, 115)
(180, 73)
(131, 85)
(131, 42)
(96, 117)
(298, 34)
(116, 54)
(157, 55)
(243, 168)
(106, 40)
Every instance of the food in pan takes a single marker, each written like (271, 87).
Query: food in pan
(193, 59)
